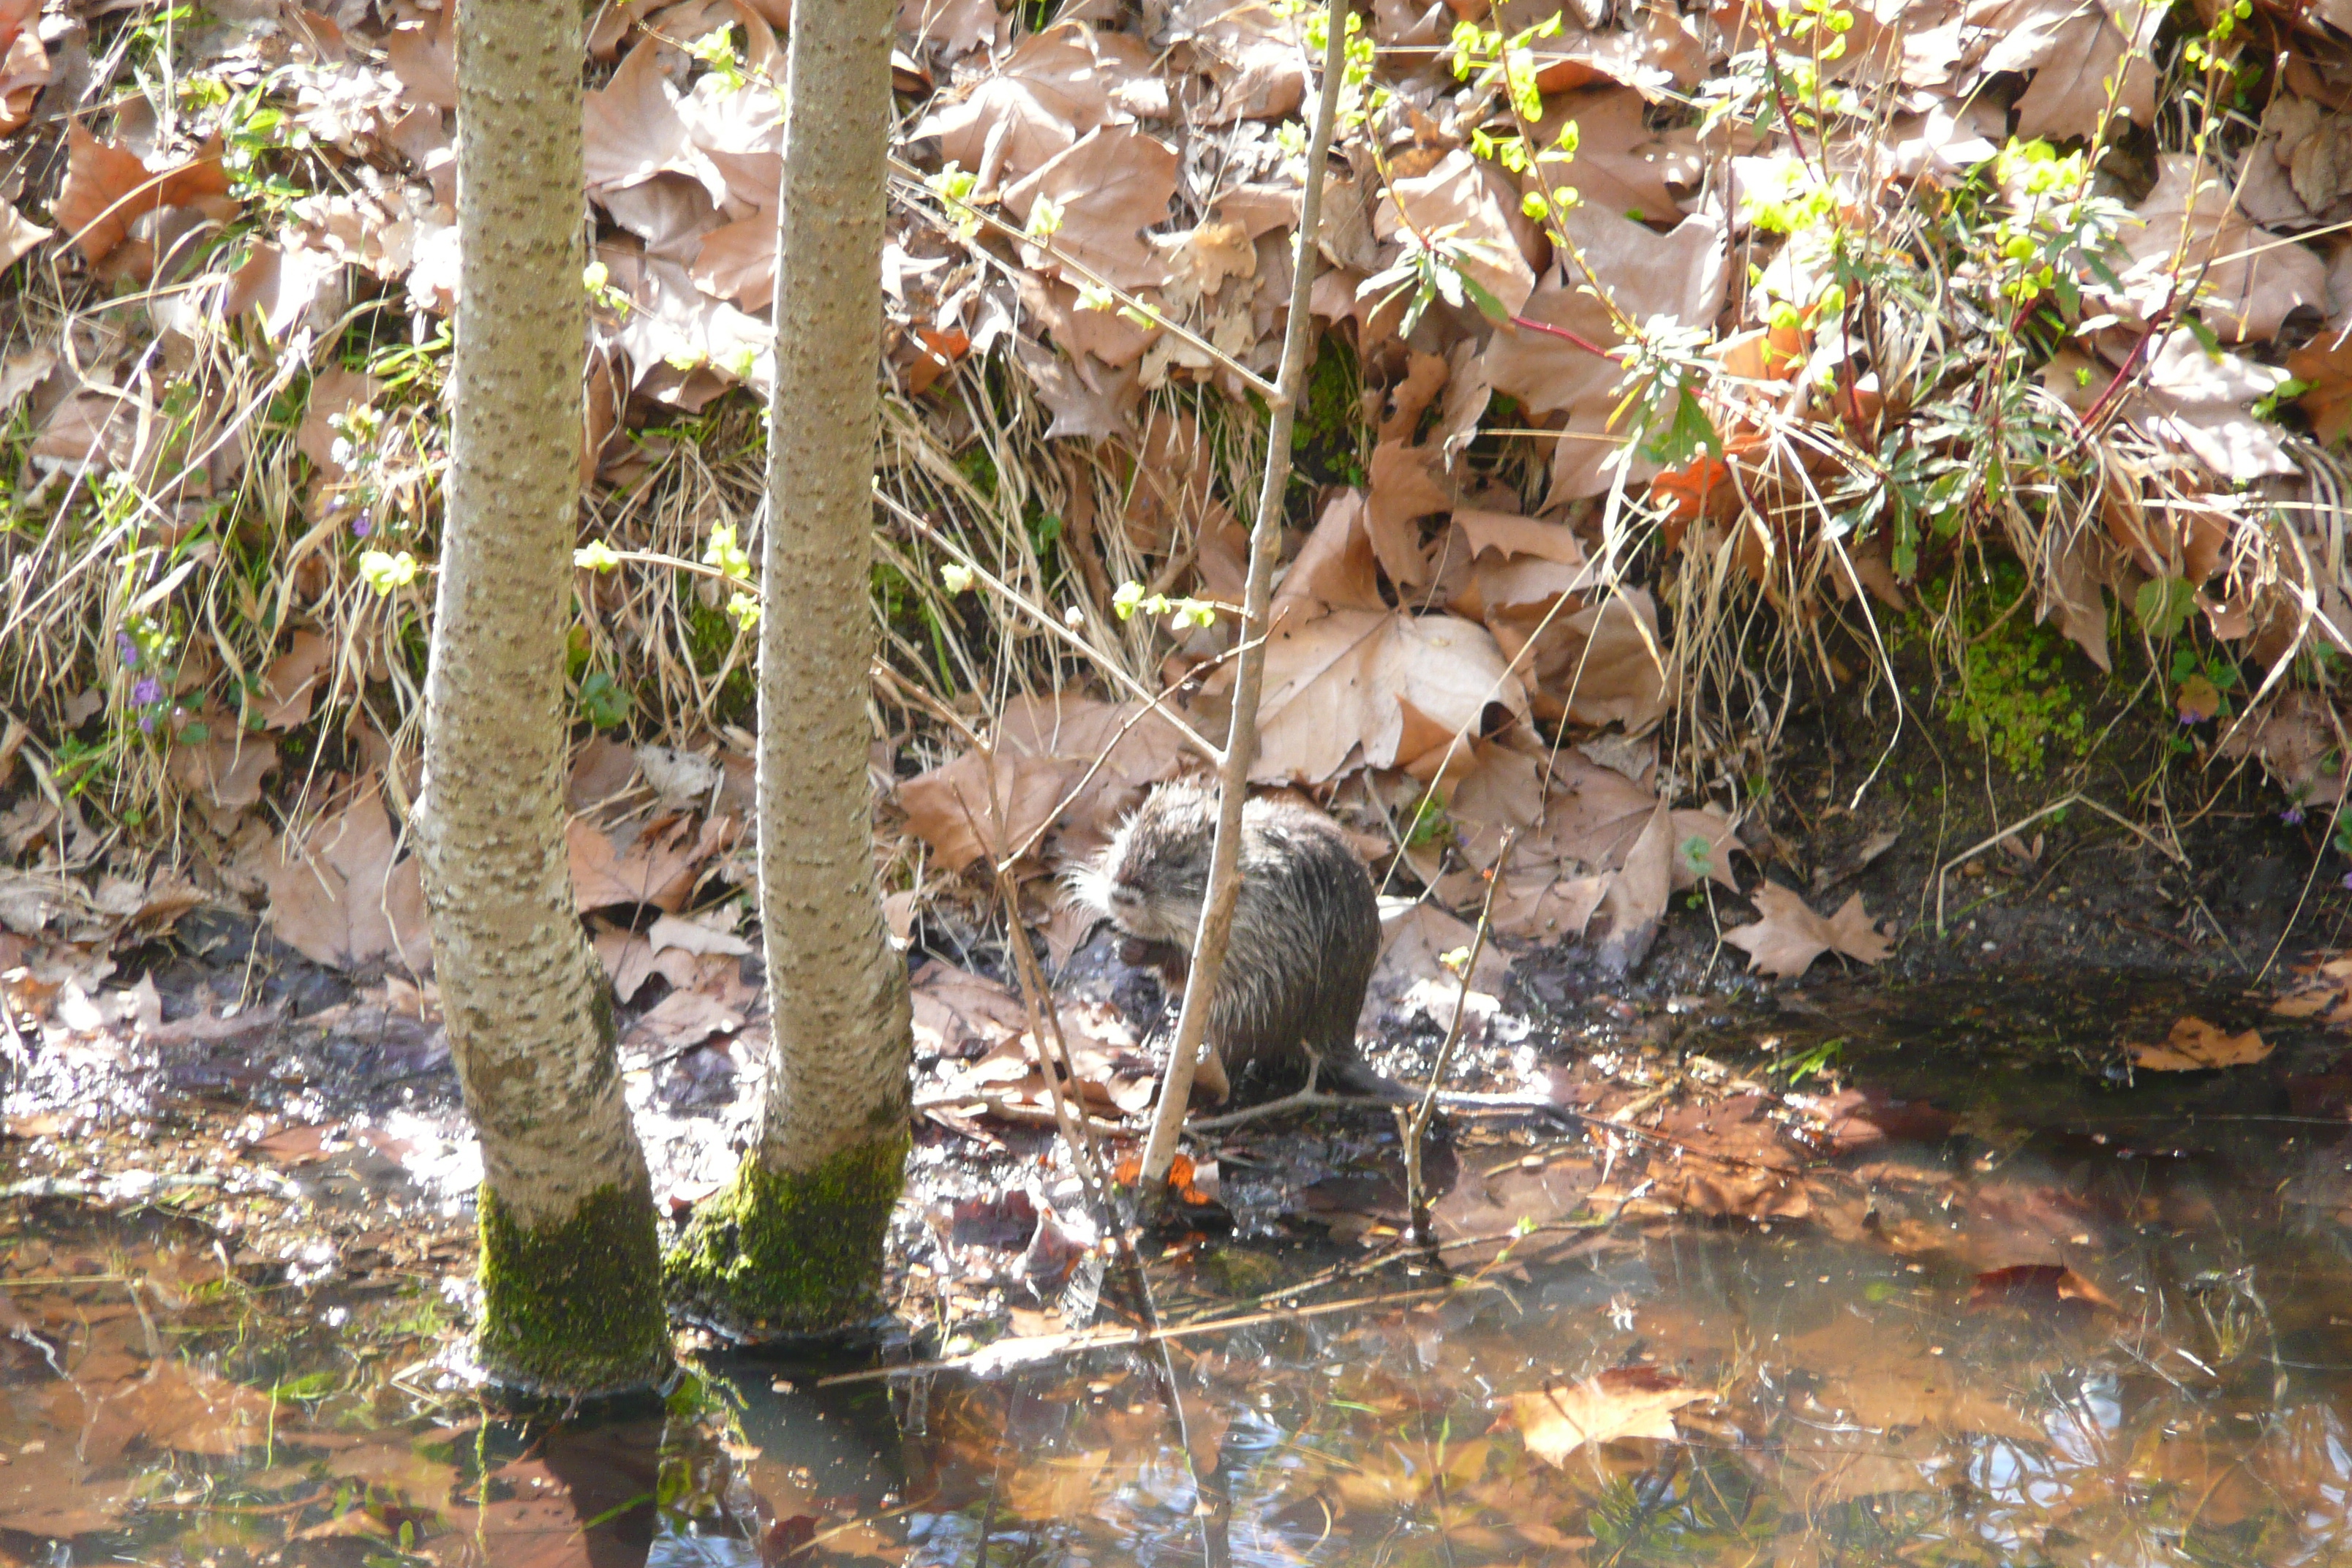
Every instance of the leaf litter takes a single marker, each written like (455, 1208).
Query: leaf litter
(1435, 623)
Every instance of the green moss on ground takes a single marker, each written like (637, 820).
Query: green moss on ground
(573, 1308)
(792, 1253)
(2013, 697)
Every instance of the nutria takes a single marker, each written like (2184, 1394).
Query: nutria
(1306, 934)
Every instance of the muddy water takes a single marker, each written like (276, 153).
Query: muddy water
(2027, 1307)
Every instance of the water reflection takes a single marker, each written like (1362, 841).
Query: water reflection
(2046, 1318)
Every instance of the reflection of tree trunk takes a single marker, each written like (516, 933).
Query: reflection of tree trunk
(570, 1260)
(796, 1243)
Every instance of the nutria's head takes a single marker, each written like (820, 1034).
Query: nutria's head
(1154, 873)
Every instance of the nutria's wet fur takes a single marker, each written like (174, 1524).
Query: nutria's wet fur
(1306, 934)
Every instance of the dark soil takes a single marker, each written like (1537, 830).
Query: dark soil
(2218, 886)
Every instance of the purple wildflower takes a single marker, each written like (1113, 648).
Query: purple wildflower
(361, 525)
(149, 690)
(147, 727)
(2347, 882)
(127, 648)
(2292, 816)
(2189, 721)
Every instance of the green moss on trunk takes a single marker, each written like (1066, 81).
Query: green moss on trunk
(792, 1253)
(574, 1308)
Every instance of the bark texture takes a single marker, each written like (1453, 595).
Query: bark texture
(529, 1024)
(798, 1245)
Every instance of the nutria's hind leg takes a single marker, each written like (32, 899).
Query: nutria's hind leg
(1351, 1074)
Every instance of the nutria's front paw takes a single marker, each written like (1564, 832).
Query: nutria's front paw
(1163, 958)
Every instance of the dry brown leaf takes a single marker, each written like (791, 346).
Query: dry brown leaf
(339, 897)
(2195, 1045)
(18, 234)
(425, 57)
(659, 867)
(1108, 188)
(2250, 278)
(1401, 490)
(1620, 166)
(978, 806)
(1680, 275)
(1335, 568)
(25, 69)
(634, 130)
(957, 27)
(1253, 58)
(107, 189)
(2297, 740)
(1789, 936)
(293, 680)
(1382, 684)
(1052, 88)
(1636, 898)
(1602, 665)
(1456, 200)
(959, 1013)
(225, 773)
(685, 1017)
(630, 961)
(2074, 51)
(2324, 367)
(1622, 1402)
(1089, 398)
(2322, 989)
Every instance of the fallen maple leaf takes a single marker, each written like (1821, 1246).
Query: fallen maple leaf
(1623, 1401)
(2196, 1046)
(1789, 936)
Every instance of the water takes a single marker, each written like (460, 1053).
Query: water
(2018, 1307)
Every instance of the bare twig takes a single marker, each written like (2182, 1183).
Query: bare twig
(1241, 739)
(2022, 823)
(1413, 1126)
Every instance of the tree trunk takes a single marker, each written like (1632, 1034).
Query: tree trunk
(795, 1244)
(570, 1265)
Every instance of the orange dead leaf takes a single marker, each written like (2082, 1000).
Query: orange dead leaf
(2196, 1046)
(107, 189)
(2325, 368)
(938, 355)
(291, 684)
(2323, 989)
